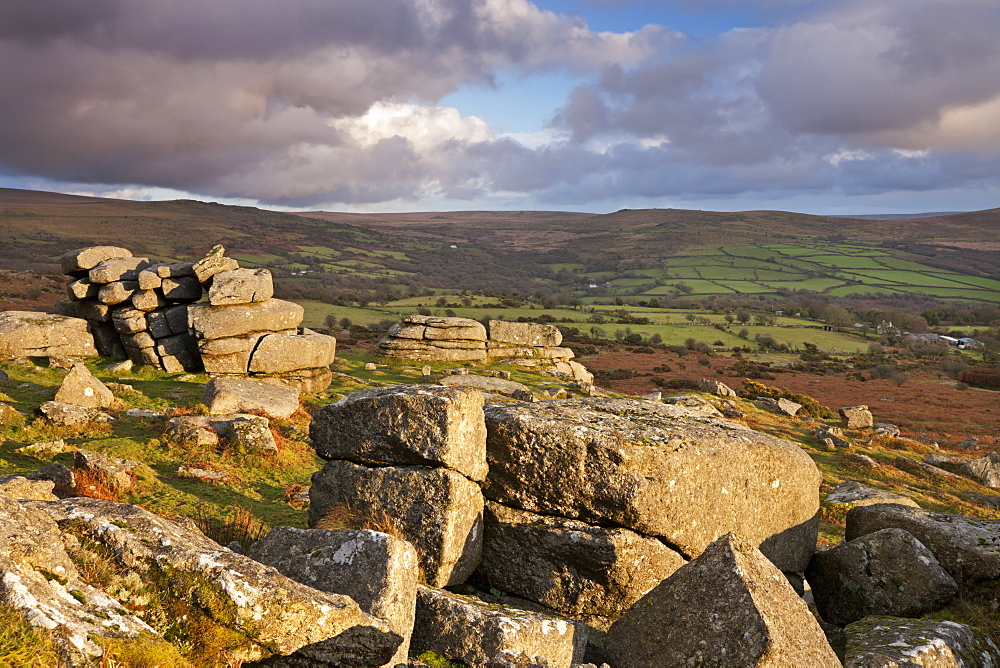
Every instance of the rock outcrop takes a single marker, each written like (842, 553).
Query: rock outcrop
(29, 334)
(878, 642)
(434, 339)
(146, 309)
(728, 607)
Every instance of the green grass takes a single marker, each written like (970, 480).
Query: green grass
(863, 290)
(814, 284)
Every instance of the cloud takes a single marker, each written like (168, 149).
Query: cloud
(278, 101)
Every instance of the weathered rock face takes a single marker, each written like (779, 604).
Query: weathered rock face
(635, 464)
(879, 642)
(70, 415)
(218, 322)
(272, 612)
(465, 629)
(856, 417)
(832, 436)
(968, 548)
(779, 406)
(985, 470)
(524, 334)
(378, 571)
(79, 387)
(405, 424)
(278, 354)
(438, 510)
(728, 607)
(570, 566)
(888, 572)
(240, 395)
(30, 334)
(851, 493)
(16, 487)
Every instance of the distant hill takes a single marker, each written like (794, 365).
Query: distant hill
(626, 253)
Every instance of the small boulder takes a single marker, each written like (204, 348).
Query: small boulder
(406, 424)
(82, 260)
(887, 572)
(81, 388)
(465, 629)
(885, 429)
(832, 437)
(716, 388)
(15, 487)
(728, 607)
(71, 415)
(524, 333)
(780, 406)
(240, 395)
(276, 353)
(116, 473)
(62, 477)
(45, 448)
(985, 470)
(485, 383)
(856, 417)
(253, 435)
(26, 334)
(375, 569)
(213, 263)
(240, 286)
(967, 547)
(881, 642)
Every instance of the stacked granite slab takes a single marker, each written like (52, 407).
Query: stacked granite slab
(133, 305)
(146, 309)
(243, 332)
(431, 339)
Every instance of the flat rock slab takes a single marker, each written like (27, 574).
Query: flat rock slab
(241, 395)
(118, 269)
(71, 415)
(405, 424)
(80, 387)
(217, 322)
(276, 613)
(83, 260)
(485, 383)
(888, 572)
(277, 353)
(728, 607)
(30, 334)
(851, 494)
(438, 510)
(967, 547)
(569, 566)
(524, 333)
(886, 642)
(375, 569)
(635, 464)
(481, 634)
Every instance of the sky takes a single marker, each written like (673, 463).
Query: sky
(818, 106)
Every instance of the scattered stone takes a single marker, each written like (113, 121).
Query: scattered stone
(648, 468)
(652, 396)
(201, 473)
(213, 263)
(17, 487)
(728, 607)
(502, 374)
(71, 415)
(81, 388)
(26, 334)
(971, 443)
(716, 388)
(240, 286)
(949, 463)
(404, 425)
(988, 500)
(856, 417)
(145, 414)
(425, 371)
(885, 429)
(880, 642)
(569, 566)
(370, 366)
(119, 367)
(253, 435)
(985, 470)
(46, 448)
(832, 437)
(967, 547)
(886, 572)
(116, 473)
(555, 393)
(780, 406)
(479, 634)
(378, 571)
(438, 510)
(524, 395)
(851, 494)
(240, 395)
(921, 468)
